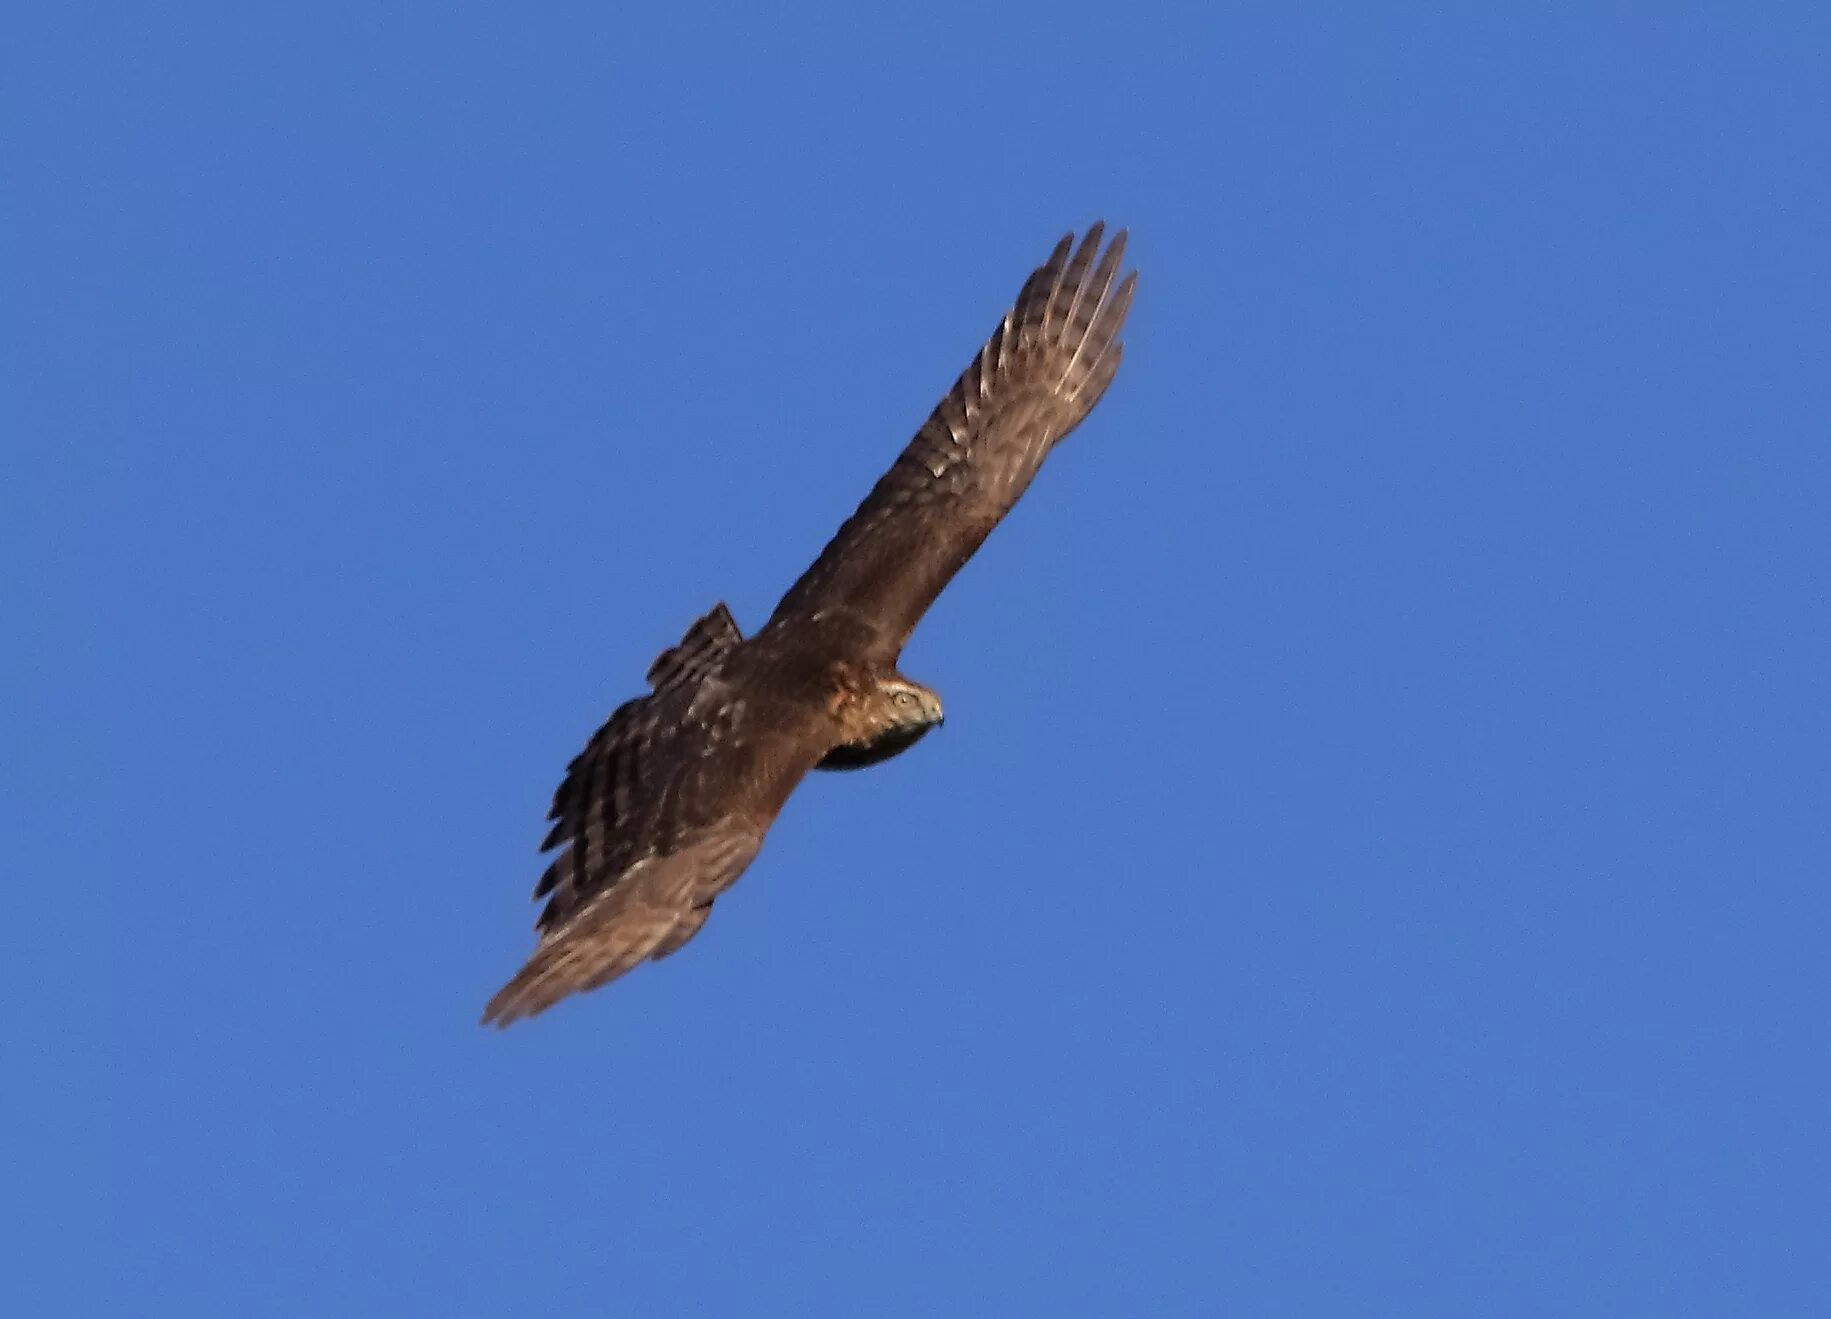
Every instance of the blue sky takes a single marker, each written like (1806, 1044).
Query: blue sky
(1376, 860)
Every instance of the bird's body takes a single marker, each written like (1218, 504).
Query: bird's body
(671, 798)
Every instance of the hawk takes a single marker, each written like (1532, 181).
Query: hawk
(670, 799)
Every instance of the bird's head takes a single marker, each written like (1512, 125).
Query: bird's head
(909, 704)
(886, 717)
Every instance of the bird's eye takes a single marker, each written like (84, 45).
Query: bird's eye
(905, 698)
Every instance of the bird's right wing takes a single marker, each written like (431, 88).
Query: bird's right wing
(1041, 372)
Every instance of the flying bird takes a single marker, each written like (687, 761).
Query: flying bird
(670, 799)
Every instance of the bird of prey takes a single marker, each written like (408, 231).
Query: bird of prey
(670, 799)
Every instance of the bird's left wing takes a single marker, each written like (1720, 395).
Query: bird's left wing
(1041, 372)
(655, 818)
(650, 910)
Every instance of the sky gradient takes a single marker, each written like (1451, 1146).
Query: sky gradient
(1375, 862)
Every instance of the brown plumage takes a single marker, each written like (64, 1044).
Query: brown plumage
(669, 801)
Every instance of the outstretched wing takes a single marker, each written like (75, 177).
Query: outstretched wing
(1041, 372)
(648, 910)
(650, 826)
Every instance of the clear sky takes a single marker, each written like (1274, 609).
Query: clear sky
(1376, 861)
